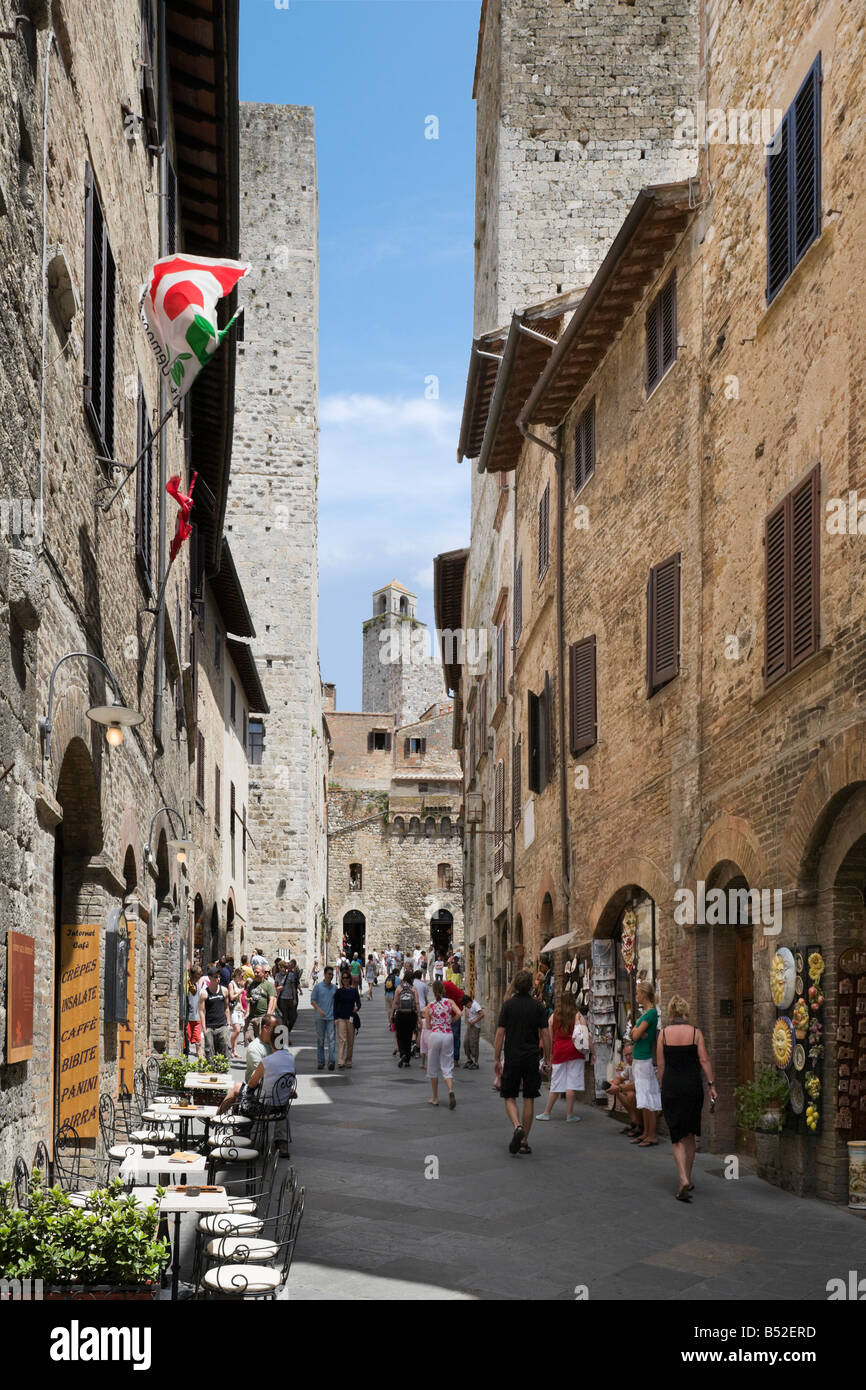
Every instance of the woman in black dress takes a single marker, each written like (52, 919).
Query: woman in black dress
(681, 1057)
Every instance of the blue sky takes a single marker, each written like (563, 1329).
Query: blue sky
(396, 229)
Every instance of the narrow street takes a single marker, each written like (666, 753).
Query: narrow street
(587, 1208)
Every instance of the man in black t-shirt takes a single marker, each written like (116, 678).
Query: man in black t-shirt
(522, 1031)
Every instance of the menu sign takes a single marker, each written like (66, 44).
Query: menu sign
(126, 1031)
(19, 1002)
(78, 1059)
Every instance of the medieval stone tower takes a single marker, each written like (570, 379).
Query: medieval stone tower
(576, 112)
(272, 520)
(402, 673)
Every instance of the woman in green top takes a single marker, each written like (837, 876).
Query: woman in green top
(647, 1094)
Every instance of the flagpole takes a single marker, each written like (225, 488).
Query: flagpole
(155, 611)
(130, 468)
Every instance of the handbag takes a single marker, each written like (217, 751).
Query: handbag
(356, 1022)
(580, 1037)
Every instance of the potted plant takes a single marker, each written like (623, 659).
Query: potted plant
(108, 1249)
(760, 1103)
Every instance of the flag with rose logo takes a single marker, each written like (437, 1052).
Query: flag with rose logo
(179, 311)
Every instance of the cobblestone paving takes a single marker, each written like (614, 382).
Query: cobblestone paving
(585, 1208)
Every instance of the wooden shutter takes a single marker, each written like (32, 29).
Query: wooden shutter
(534, 736)
(661, 333)
(792, 579)
(99, 320)
(199, 766)
(148, 72)
(406, 747)
(498, 817)
(583, 699)
(515, 780)
(776, 645)
(794, 182)
(387, 743)
(500, 662)
(171, 208)
(547, 733)
(217, 804)
(232, 809)
(144, 490)
(663, 623)
(423, 746)
(482, 717)
(584, 447)
(544, 532)
(518, 600)
(653, 372)
(370, 742)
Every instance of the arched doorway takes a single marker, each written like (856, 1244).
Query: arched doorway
(355, 931)
(230, 928)
(441, 932)
(725, 1005)
(80, 907)
(214, 947)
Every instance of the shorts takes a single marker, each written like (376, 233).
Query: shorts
(440, 1055)
(568, 1076)
(522, 1074)
(237, 1018)
(193, 1032)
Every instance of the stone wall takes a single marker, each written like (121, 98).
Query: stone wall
(272, 517)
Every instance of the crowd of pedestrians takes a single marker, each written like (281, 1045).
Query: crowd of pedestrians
(223, 1002)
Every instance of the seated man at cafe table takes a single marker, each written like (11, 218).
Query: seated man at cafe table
(275, 1061)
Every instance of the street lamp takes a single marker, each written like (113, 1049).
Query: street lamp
(115, 716)
(180, 846)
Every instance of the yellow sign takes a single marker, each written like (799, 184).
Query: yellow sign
(126, 1031)
(78, 1058)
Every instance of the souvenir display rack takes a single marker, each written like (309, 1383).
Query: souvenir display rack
(799, 1042)
(850, 1072)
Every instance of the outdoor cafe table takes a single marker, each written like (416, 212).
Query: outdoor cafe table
(173, 1114)
(175, 1204)
(162, 1167)
(197, 1081)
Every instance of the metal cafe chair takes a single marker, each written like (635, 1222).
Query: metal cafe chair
(143, 1130)
(245, 1223)
(242, 1278)
(67, 1158)
(42, 1163)
(21, 1183)
(246, 1194)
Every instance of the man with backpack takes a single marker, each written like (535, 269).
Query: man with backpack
(406, 1013)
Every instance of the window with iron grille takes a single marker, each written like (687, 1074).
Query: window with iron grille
(794, 182)
(584, 447)
(663, 624)
(661, 334)
(582, 695)
(515, 779)
(792, 579)
(256, 741)
(100, 295)
(144, 491)
(499, 818)
(518, 600)
(217, 800)
(544, 532)
(199, 768)
(500, 662)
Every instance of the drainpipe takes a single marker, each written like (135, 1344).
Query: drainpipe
(159, 655)
(40, 517)
(510, 754)
(556, 450)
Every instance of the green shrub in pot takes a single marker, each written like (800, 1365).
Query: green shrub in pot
(760, 1103)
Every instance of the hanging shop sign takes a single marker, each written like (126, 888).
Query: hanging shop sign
(78, 1053)
(851, 1045)
(19, 997)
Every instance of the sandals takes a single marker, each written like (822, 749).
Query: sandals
(517, 1138)
(683, 1195)
(524, 1149)
(452, 1100)
(647, 1143)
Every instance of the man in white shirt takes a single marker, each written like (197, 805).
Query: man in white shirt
(472, 1016)
(264, 1079)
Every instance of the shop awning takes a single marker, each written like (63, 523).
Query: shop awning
(556, 943)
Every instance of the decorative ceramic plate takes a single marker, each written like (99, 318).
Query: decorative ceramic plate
(797, 1098)
(799, 1057)
(568, 967)
(782, 976)
(798, 985)
(799, 962)
(783, 1042)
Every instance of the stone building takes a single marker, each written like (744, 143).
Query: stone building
(695, 432)
(272, 522)
(575, 113)
(394, 819)
(121, 103)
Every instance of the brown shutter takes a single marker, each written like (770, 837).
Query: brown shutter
(388, 743)
(547, 732)
(583, 698)
(652, 346)
(144, 490)
(805, 554)
(423, 745)
(370, 742)
(406, 746)
(498, 817)
(217, 803)
(534, 741)
(544, 532)
(584, 447)
(500, 662)
(482, 718)
(663, 623)
(199, 767)
(518, 600)
(776, 645)
(515, 780)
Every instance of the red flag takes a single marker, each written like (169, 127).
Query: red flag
(184, 501)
